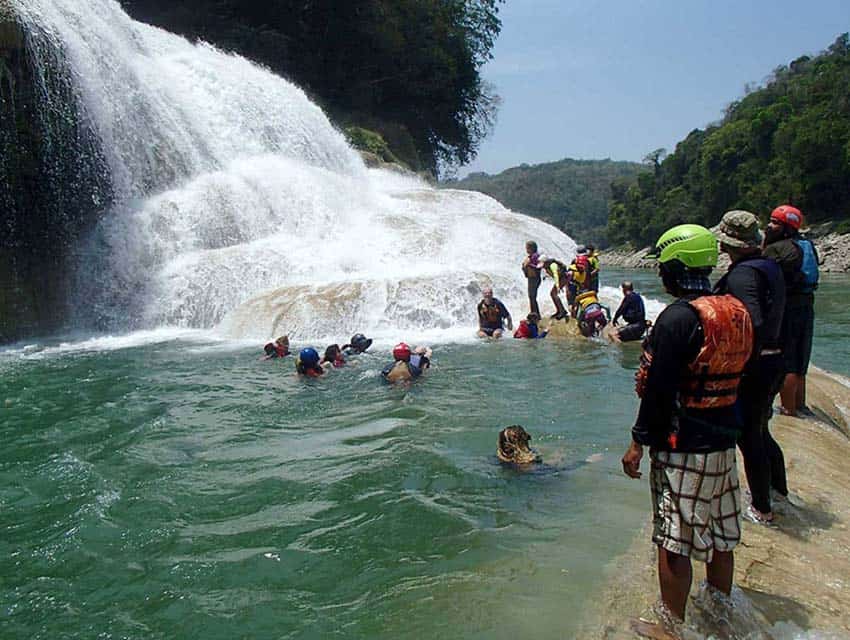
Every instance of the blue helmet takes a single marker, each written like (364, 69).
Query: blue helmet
(309, 357)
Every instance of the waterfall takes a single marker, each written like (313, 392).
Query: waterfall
(238, 207)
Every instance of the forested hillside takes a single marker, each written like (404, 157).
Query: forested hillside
(572, 195)
(786, 142)
(406, 68)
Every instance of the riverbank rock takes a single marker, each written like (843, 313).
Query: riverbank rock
(789, 577)
(833, 249)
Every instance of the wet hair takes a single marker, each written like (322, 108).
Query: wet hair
(627, 285)
(283, 340)
(269, 348)
(531, 244)
(331, 352)
(533, 318)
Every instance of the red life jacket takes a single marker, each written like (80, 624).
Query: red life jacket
(711, 380)
(522, 330)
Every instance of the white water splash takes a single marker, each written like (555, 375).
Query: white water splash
(240, 208)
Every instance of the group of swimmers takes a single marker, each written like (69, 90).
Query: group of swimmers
(407, 363)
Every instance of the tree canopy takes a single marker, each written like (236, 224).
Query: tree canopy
(788, 142)
(572, 195)
(406, 68)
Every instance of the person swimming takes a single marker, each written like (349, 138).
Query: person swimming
(358, 344)
(513, 446)
(333, 357)
(277, 349)
(307, 363)
(407, 365)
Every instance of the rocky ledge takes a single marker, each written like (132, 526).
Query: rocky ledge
(833, 248)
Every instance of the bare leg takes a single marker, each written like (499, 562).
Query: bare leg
(674, 576)
(720, 570)
(801, 392)
(788, 394)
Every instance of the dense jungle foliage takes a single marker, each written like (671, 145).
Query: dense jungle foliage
(572, 195)
(408, 69)
(786, 142)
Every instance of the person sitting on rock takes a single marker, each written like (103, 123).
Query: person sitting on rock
(492, 315)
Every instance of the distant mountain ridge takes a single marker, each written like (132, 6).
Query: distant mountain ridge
(572, 195)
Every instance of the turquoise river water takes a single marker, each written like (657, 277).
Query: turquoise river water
(171, 486)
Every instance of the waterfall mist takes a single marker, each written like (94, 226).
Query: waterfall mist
(239, 207)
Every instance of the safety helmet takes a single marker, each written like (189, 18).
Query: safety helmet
(401, 352)
(309, 357)
(786, 214)
(582, 261)
(691, 244)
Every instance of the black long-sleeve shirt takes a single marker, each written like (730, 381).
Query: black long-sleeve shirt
(675, 341)
(766, 304)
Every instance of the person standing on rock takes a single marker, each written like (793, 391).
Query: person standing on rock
(531, 268)
(798, 259)
(758, 283)
(687, 383)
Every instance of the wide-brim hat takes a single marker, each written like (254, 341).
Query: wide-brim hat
(739, 229)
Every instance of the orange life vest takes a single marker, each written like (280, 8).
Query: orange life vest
(711, 380)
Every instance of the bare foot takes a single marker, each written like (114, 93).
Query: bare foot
(653, 630)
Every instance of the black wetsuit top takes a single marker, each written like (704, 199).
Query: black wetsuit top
(631, 309)
(675, 341)
(761, 289)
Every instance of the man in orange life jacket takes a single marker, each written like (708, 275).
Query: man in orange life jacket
(688, 379)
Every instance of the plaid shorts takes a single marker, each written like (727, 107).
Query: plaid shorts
(696, 502)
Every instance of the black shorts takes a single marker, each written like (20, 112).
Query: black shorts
(633, 331)
(799, 325)
(489, 330)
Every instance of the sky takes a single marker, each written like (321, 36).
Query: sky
(617, 79)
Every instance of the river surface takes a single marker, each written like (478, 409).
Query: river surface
(170, 485)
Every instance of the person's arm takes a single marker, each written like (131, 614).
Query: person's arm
(619, 311)
(674, 342)
(480, 316)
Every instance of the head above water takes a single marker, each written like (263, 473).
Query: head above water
(626, 286)
(332, 352)
(487, 292)
(530, 247)
(359, 342)
(309, 357)
(269, 348)
(513, 446)
(402, 352)
(283, 341)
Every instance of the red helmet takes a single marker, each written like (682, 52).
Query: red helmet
(401, 352)
(786, 214)
(581, 261)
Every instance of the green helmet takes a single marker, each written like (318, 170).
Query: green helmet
(692, 244)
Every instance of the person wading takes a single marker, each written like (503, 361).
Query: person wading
(687, 382)
(758, 283)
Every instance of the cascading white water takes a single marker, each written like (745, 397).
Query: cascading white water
(240, 207)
